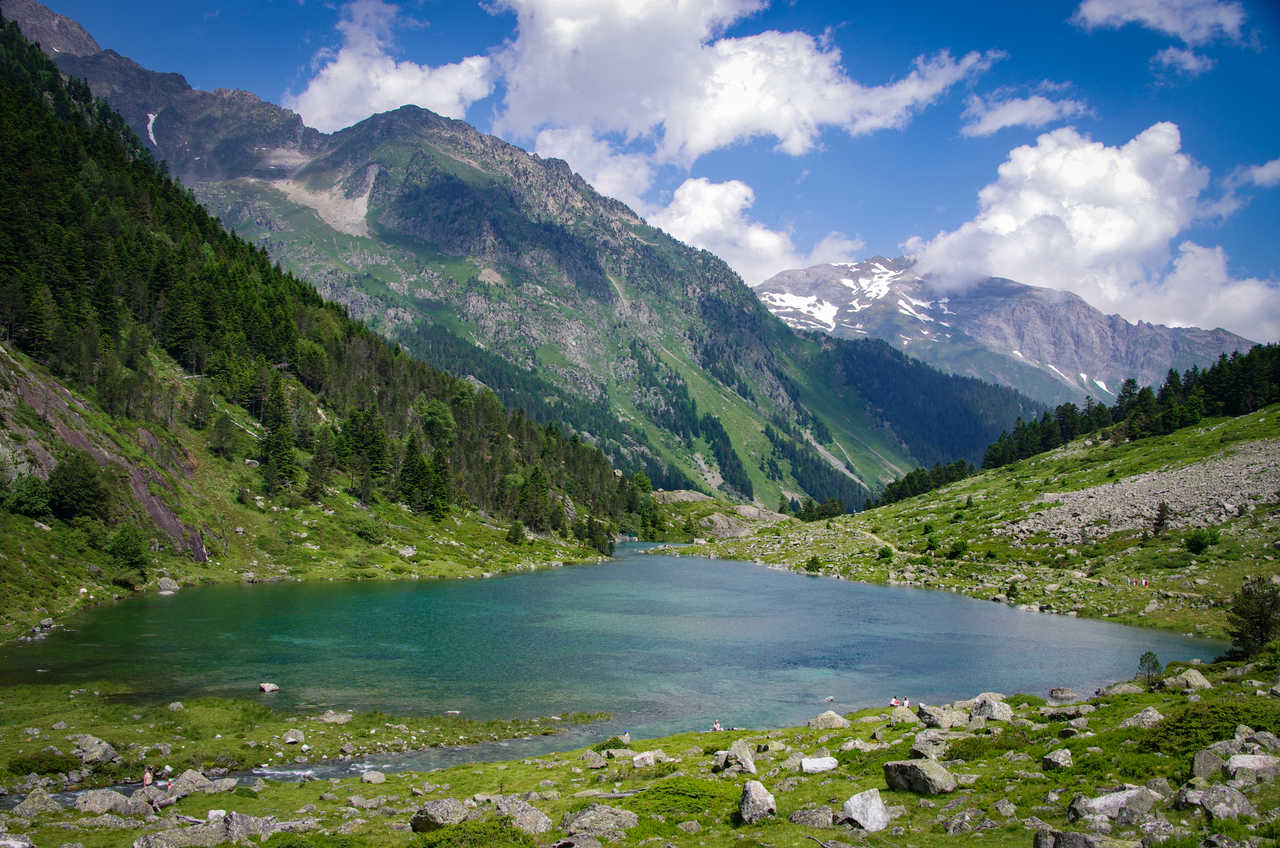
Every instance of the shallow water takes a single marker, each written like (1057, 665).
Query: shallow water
(665, 644)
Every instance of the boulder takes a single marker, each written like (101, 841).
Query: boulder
(268, 687)
(930, 743)
(992, 709)
(1127, 805)
(903, 715)
(941, 718)
(1253, 767)
(93, 751)
(1123, 689)
(599, 820)
(12, 840)
(99, 801)
(1006, 808)
(524, 815)
(167, 584)
(593, 759)
(866, 810)
(1062, 693)
(1189, 680)
(924, 777)
(1059, 759)
(1046, 838)
(1219, 801)
(1147, 718)
(188, 783)
(373, 777)
(813, 817)
(434, 815)
(817, 765)
(740, 758)
(294, 737)
(330, 717)
(756, 803)
(37, 801)
(829, 720)
(643, 760)
(232, 827)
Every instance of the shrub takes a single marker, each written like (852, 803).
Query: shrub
(885, 553)
(611, 742)
(76, 488)
(958, 548)
(1197, 725)
(29, 496)
(683, 797)
(1199, 539)
(1254, 617)
(370, 532)
(43, 762)
(985, 747)
(813, 564)
(477, 834)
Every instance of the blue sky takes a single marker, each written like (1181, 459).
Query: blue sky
(1127, 150)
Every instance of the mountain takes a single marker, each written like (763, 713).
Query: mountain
(510, 269)
(1047, 343)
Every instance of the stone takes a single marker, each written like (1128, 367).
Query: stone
(1127, 805)
(330, 717)
(167, 584)
(293, 737)
(1252, 767)
(188, 783)
(268, 687)
(829, 720)
(1059, 759)
(434, 815)
(99, 801)
(1006, 808)
(740, 757)
(903, 715)
(176, 707)
(817, 765)
(992, 709)
(1219, 801)
(866, 810)
(644, 759)
(940, 717)
(690, 826)
(524, 815)
(1123, 689)
(37, 802)
(599, 820)
(924, 777)
(593, 759)
(1189, 680)
(93, 751)
(12, 840)
(1046, 838)
(756, 804)
(1062, 693)
(813, 817)
(1147, 718)
(930, 743)
(373, 777)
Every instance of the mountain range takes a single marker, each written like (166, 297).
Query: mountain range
(1047, 343)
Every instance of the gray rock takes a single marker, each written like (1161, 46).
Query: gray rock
(524, 815)
(593, 759)
(99, 801)
(37, 802)
(330, 717)
(434, 815)
(866, 810)
(1062, 693)
(992, 709)
(740, 757)
(93, 751)
(1189, 680)
(373, 777)
(1006, 808)
(1219, 801)
(167, 584)
(294, 737)
(903, 715)
(1123, 689)
(813, 817)
(924, 777)
(11, 840)
(599, 820)
(756, 803)
(829, 720)
(690, 826)
(176, 707)
(233, 827)
(268, 687)
(941, 718)
(1147, 718)
(817, 765)
(1059, 759)
(188, 783)
(1127, 805)
(1046, 838)
(1252, 767)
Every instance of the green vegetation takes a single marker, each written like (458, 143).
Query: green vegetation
(1254, 617)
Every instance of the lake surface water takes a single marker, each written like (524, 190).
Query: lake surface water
(665, 644)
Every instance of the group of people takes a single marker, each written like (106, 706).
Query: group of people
(895, 701)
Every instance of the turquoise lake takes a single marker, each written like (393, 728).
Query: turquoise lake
(665, 644)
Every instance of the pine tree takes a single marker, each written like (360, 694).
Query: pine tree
(280, 464)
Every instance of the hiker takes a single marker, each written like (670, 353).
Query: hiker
(148, 777)
(895, 701)
(715, 726)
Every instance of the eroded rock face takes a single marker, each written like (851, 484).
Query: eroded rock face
(756, 803)
(94, 751)
(867, 811)
(924, 777)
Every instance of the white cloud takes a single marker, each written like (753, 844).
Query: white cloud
(1265, 176)
(990, 115)
(1193, 21)
(1071, 213)
(659, 71)
(361, 78)
(714, 216)
(1179, 60)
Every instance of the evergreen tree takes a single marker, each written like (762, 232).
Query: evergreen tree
(320, 471)
(76, 488)
(280, 465)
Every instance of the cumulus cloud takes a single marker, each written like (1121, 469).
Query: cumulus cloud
(661, 71)
(1188, 63)
(361, 78)
(1071, 213)
(714, 216)
(986, 116)
(1193, 21)
(1263, 176)
(626, 176)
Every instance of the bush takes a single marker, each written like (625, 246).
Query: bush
(985, 747)
(370, 532)
(477, 834)
(611, 742)
(813, 565)
(1197, 725)
(1199, 539)
(957, 549)
(1254, 617)
(29, 496)
(43, 762)
(885, 553)
(684, 797)
(76, 488)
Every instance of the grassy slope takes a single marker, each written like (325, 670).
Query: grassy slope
(1002, 762)
(1086, 579)
(42, 571)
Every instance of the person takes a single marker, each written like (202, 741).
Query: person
(895, 701)
(906, 702)
(148, 776)
(715, 726)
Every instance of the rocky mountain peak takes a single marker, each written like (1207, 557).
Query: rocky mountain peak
(57, 34)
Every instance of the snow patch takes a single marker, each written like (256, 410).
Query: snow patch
(151, 128)
(1018, 354)
(1059, 373)
(1101, 385)
(820, 310)
(908, 309)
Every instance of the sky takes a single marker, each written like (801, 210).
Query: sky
(1125, 150)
